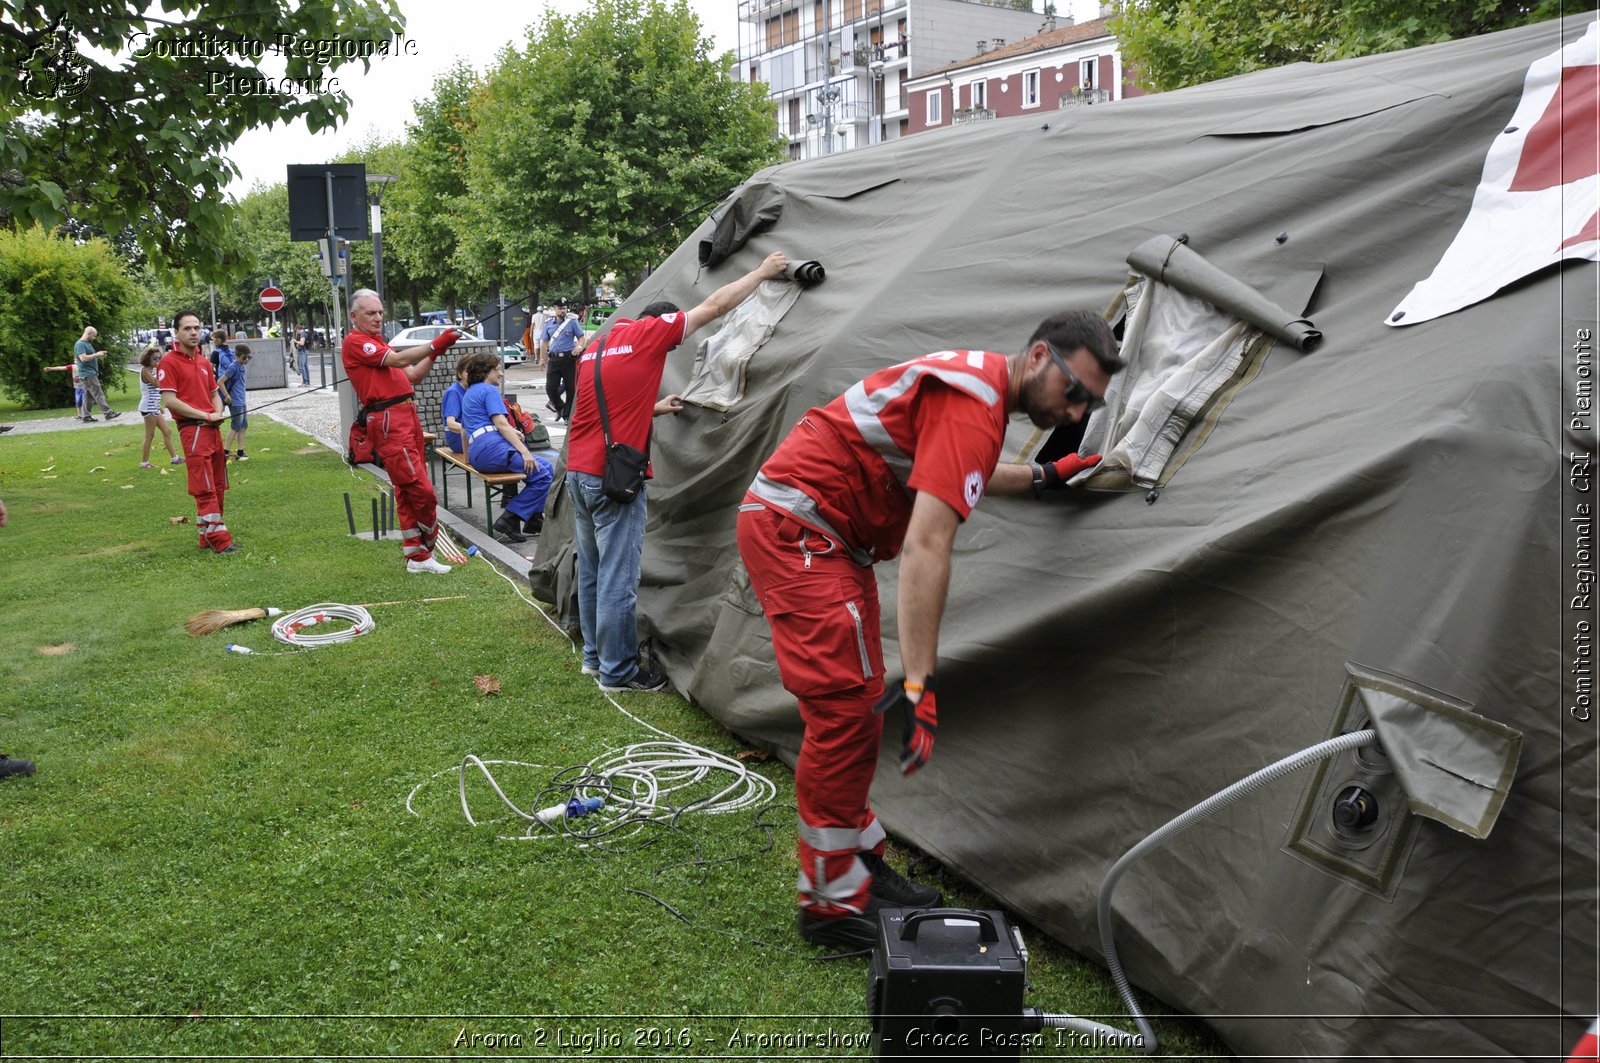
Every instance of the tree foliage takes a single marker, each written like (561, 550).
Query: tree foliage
(432, 187)
(1168, 44)
(140, 140)
(50, 288)
(606, 125)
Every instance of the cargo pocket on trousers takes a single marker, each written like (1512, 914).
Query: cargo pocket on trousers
(824, 635)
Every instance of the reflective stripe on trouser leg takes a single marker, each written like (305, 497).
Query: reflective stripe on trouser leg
(823, 612)
(832, 777)
(397, 438)
(205, 467)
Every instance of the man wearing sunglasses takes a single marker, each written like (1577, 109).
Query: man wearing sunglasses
(896, 462)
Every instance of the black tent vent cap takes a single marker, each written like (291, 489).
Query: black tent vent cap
(1355, 809)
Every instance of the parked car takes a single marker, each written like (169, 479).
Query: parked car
(510, 354)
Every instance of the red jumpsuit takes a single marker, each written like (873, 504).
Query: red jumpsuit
(396, 435)
(832, 500)
(192, 380)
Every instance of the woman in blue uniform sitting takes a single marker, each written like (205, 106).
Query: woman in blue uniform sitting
(450, 405)
(494, 445)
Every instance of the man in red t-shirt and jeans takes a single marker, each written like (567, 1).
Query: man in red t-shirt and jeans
(610, 535)
(900, 459)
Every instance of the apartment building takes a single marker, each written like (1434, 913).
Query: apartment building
(839, 69)
(1065, 64)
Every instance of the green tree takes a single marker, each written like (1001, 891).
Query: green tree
(50, 288)
(431, 192)
(140, 140)
(608, 124)
(1169, 44)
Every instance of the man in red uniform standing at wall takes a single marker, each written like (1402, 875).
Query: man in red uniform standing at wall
(382, 378)
(189, 389)
(900, 459)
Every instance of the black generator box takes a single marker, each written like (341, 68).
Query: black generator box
(947, 982)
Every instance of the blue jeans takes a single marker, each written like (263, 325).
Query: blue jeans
(610, 538)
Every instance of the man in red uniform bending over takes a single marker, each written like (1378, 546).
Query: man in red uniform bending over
(382, 377)
(189, 389)
(899, 459)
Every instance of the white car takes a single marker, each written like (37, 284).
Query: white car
(511, 354)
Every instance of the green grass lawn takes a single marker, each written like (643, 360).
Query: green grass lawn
(216, 857)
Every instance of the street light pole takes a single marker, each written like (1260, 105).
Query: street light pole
(876, 66)
(375, 198)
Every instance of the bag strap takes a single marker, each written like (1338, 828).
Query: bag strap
(600, 400)
(600, 393)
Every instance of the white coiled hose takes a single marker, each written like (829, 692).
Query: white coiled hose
(291, 628)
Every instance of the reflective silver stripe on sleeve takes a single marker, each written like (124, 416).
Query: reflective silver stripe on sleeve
(864, 408)
(804, 509)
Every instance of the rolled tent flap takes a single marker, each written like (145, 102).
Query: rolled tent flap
(1454, 765)
(1170, 261)
(753, 208)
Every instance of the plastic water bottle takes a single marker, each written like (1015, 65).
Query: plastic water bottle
(472, 551)
(578, 806)
(234, 647)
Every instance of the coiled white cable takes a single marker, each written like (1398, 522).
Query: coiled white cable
(290, 628)
(654, 781)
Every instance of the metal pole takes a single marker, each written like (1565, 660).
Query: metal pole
(349, 513)
(333, 249)
(377, 250)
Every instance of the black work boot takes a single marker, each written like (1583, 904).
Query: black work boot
(894, 889)
(509, 528)
(854, 933)
(534, 525)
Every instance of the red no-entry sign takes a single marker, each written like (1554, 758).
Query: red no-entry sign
(271, 299)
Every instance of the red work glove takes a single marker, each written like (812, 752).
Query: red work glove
(921, 722)
(1057, 473)
(445, 340)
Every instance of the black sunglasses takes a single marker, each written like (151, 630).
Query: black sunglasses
(1076, 391)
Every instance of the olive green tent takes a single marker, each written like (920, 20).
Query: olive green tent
(1392, 527)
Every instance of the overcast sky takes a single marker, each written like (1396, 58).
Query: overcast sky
(382, 99)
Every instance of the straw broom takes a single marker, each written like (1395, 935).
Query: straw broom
(210, 621)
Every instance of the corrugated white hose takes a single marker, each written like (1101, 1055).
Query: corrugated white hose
(290, 628)
(1145, 1040)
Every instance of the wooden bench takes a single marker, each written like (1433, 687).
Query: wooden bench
(493, 482)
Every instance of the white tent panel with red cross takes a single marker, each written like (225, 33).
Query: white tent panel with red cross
(1539, 199)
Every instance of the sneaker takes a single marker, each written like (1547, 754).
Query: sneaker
(112, 415)
(242, 456)
(591, 669)
(645, 679)
(509, 528)
(10, 765)
(177, 459)
(430, 565)
(231, 548)
(145, 465)
(855, 933)
(894, 889)
(89, 420)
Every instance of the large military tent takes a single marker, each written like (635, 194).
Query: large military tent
(1396, 516)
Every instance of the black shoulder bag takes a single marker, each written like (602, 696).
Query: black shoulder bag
(625, 467)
